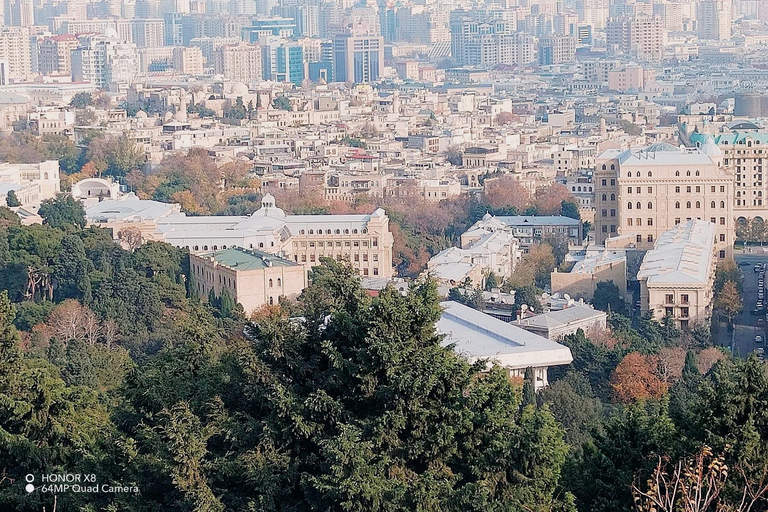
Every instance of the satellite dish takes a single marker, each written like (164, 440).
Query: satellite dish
(567, 297)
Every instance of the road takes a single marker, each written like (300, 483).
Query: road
(746, 323)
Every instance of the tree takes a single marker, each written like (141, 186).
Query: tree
(62, 212)
(529, 296)
(453, 155)
(505, 192)
(529, 387)
(635, 379)
(698, 484)
(506, 118)
(630, 128)
(131, 237)
(729, 300)
(607, 297)
(727, 270)
(81, 100)
(491, 282)
(549, 199)
(281, 103)
(11, 200)
(570, 209)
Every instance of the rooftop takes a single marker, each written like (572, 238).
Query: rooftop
(657, 154)
(242, 259)
(537, 220)
(554, 319)
(480, 336)
(681, 255)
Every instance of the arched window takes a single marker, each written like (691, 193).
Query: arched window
(354, 231)
(590, 189)
(603, 166)
(365, 230)
(271, 301)
(223, 246)
(605, 197)
(346, 231)
(279, 282)
(697, 173)
(261, 245)
(629, 174)
(677, 204)
(722, 204)
(650, 205)
(270, 283)
(197, 247)
(650, 174)
(698, 204)
(688, 173)
(301, 231)
(311, 231)
(613, 167)
(205, 247)
(579, 189)
(637, 174)
(712, 204)
(338, 231)
(638, 206)
(573, 189)
(677, 173)
(629, 206)
(327, 231)
(613, 197)
(688, 204)
(215, 247)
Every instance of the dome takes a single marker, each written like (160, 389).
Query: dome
(111, 33)
(167, 117)
(239, 89)
(710, 148)
(141, 114)
(487, 216)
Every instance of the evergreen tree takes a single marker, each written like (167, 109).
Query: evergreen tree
(12, 200)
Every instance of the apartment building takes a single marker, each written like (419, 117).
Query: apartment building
(239, 62)
(743, 154)
(15, 53)
(677, 275)
(55, 56)
(645, 192)
(640, 36)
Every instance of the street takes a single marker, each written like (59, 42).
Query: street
(746, 323)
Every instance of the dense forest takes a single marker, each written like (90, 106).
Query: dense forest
(340, 401)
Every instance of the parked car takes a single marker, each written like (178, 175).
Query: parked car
(757, 268)
(760, 353)
(758, 338)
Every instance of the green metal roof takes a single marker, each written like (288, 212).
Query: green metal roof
(244, 259)
(731, 138)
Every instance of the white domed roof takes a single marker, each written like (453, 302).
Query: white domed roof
(710, 148)
(239, 89)
(141, 114)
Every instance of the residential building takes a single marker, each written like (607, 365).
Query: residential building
(56, 54)
(103, 61)
(555, 325)
(148, 33)
(556, 50)
(252, 278)
(677, 276)
(599, 264)
(645, 192)
(527, 229)
(640, 36)
(188, 60)
(478, 336)
(713, 19)
(15, 53)
(239, 62)
(282, 61)
(43, 178)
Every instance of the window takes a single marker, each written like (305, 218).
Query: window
(669, 311)
(677, 204)
(613, 212)
(605, 213)
(722, 204)
(677, 221)
(375, 271)
(605, 197)
(629, 222)
(713, 189)
(722, 254)
(605, 182)
(722, 188)
(639, 238)
(613, 197)
(357, 257)
(270, 283)
(677, 173)
(687, 173)
(312, 258)
(650, 238)
(629, 175)
(712, 204)
(629, 190)
(684, 312)
(697, 173)
(638, 206)
(698, 204)
(637, 190)
(650, 205)
(713, 220)
(722, 237)
(677, 190)
(613, 168)
(649, 175)
(722, 221)
(650, 221)
(605, 228)
(684, 298)
(629, 206)
(669, 298)
(650, 190)
(279, 282)
(688, 189)
(303, 258)
(698, 188)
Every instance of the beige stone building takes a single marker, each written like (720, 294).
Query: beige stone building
(677, 276)
(239, 62)
(596, 267)
(645, 192)
(253, 278)
(56, 54)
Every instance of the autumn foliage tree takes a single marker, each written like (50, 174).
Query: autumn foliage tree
(506, 192)
(728, 300)
(635, 378)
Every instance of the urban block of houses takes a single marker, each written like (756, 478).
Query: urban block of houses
(527, 229)
(555, 325)
(494, 252)
(677, 276)
(599, 264)
(253, 278)
(32, 183)
(478, 337)
(363, 240)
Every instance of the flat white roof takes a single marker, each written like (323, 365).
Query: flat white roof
(479, 336)
(681, 255)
